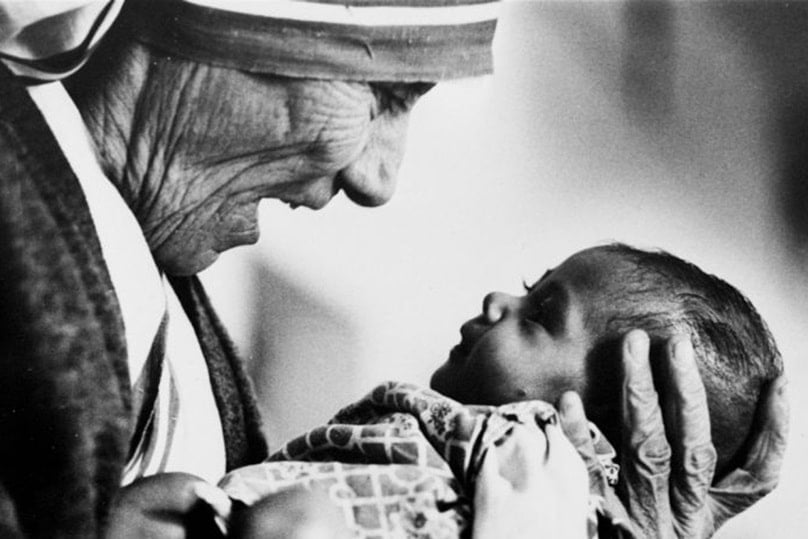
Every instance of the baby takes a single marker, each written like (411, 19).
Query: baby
(563, 334)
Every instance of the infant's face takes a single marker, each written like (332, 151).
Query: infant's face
(532, 346)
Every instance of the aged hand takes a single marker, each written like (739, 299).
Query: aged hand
(168, 505)
(542, 492)
(685, 502)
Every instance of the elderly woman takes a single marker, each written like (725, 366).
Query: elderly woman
(114, 195)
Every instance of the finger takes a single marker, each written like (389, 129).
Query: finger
(558, 445)
(507, 504)
(646, 453)
(566, 471)
(687, 421)
(218, 501)
(574, 422)
(215, 497)
(489, 483)
(768, 446)
(562, 455)
(522, 456)
(532, 441)
(576, 427)
(759, 475)
(488, 490)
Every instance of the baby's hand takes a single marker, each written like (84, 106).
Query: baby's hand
(542, 492)
(168, 505)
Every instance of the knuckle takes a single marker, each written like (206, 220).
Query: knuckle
(701, 460)
(653, 455)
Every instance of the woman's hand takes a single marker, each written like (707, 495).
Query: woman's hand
(532, 485)
(668, 486)
(167, 505)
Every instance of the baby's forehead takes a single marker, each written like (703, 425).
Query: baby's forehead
(594, 277)
(608, 283)
(593, 270)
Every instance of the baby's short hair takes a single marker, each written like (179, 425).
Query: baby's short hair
(735, 351)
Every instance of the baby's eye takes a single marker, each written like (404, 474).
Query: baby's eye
(535, 315)
(537, 311)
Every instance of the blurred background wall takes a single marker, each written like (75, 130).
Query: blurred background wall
(679, 125)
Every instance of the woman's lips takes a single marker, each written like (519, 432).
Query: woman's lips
(242, 227)
(246, 236)
(313, 204)
(315, 200)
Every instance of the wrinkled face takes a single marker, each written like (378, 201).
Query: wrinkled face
(534, 346)
(224, 140)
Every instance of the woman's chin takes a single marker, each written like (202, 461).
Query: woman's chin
(186, 265)
(246, 236)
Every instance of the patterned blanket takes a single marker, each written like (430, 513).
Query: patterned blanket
(402, 462)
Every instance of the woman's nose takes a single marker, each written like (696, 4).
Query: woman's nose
(371, 179)
(496, 305)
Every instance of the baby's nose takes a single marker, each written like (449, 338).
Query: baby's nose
(496, 305)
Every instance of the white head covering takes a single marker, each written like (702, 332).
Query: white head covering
(379, 40)
(50, 39)
(374, 40)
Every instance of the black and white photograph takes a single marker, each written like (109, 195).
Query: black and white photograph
(426, 269)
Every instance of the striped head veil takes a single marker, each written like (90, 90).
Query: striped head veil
(361, 40)
(46, 40)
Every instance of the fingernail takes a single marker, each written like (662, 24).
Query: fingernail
(638, 345)
(569, 404)
(682, 348)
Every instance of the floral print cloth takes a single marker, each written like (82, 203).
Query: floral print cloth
(402, 462)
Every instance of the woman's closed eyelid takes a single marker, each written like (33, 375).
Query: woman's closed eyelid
(397, 97)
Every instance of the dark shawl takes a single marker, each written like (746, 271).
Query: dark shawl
(65, 403)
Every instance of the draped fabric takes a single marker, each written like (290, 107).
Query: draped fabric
(367, 40)
(43, 40)
(66, 414)
(392, 40)
(403, 462)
